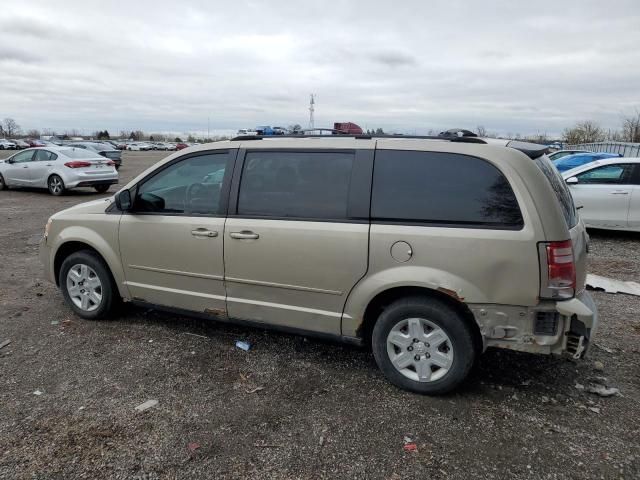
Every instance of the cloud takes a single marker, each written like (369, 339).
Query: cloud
(394, 59)
(404, 66)
(12, 54)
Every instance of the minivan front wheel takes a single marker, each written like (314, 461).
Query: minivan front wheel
(423, 345)
(87, 286)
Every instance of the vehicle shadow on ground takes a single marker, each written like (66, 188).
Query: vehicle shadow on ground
(496, 368)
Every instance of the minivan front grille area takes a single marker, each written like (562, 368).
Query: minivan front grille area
(546, 323)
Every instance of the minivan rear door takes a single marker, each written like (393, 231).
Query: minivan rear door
(296, 238)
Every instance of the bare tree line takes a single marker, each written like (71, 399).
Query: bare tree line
(586, 131)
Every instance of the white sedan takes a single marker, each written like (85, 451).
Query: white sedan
(607, 193)
(58, 169)
(139, 147)
(6, 144)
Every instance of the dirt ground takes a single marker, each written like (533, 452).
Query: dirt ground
(291, 407)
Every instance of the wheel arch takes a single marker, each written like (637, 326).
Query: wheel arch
(384, 298)
(104, 252)
(55, 174)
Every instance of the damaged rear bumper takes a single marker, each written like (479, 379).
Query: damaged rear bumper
(561, 327)
(582, 321)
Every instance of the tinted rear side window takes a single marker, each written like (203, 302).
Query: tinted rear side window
(561, 190)
(442, 189)
(305, 185)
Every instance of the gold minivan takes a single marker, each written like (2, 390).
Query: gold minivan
(428, 250)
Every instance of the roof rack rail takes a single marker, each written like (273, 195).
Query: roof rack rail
(449, 138)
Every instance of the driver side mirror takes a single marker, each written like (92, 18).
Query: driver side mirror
(571, 180)
(9, 160)
(123, 200)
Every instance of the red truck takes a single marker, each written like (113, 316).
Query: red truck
(347, 128)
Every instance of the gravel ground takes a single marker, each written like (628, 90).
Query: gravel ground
(290, 407)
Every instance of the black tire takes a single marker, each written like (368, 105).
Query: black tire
(3, 185)
(1, 147)
(101, 188)
(54, 187)
(443, 316)
(110, 296)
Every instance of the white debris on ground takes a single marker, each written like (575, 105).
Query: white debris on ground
(602, 390)
(146, 405)
(611, 285)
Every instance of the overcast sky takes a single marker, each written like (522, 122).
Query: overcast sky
(406, 66)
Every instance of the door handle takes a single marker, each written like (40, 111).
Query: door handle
(619, 192)
(26, 166)
(244, 235)
(202, 232)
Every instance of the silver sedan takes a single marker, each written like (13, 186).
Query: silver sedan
(58, 169)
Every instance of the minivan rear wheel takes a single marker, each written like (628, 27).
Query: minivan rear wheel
(87, 285)
(423, 345)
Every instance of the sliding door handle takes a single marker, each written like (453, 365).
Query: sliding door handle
(244, 235)
(203, 232)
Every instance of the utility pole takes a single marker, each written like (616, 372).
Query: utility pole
(312, 102)
(208, 128)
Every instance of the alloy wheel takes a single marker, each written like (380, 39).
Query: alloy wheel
(55, 185)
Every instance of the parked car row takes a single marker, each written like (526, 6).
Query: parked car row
(19, 144)
(146, 146)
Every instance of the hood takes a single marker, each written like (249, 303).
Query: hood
(92, 207)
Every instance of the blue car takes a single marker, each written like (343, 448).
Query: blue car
(579, 159)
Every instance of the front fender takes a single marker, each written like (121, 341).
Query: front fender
(104, 242)
(402, 276)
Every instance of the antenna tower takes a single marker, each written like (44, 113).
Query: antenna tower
(312, 102)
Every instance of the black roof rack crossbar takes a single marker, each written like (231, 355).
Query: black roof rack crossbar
(365, 137)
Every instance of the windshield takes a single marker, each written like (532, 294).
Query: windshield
(560, 188)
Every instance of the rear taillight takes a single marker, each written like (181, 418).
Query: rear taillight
(557, 270)
(77, 164)
(111, 163)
